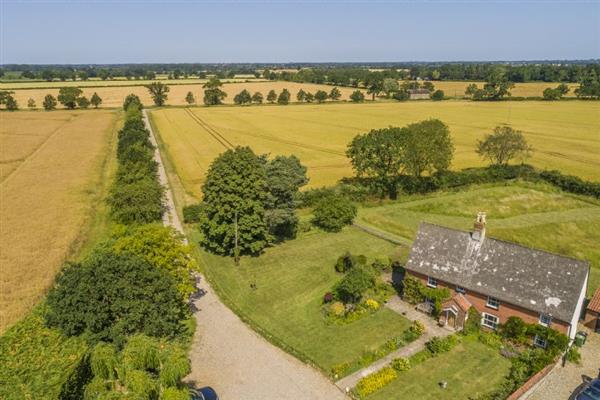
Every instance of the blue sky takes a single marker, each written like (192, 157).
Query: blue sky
(286, 31)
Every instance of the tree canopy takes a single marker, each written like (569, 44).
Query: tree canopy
(159, 92)
(504, 145)
(332, 212)
(284, 97)
(68, 96)
(271, 96)
(243, 98)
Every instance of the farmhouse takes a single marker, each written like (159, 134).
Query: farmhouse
(499, 279)
(419, 94)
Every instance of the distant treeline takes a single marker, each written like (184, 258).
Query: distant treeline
(346, 74)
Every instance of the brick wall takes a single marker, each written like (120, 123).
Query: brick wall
(591, 319)
(531, 382)
(504, 311)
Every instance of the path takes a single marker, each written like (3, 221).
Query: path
(229, 356)
(408, 311)
(562, 381)
(382, 234)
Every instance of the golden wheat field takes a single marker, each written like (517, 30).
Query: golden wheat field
(114, 96)
(51, 171)
(527, 89)
(565, 135)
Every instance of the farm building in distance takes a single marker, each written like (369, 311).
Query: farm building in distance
(419, 94)
(499, 279)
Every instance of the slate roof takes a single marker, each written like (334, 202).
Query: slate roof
(594, 304)
(533, 279)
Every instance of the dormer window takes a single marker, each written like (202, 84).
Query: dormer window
(493, 302)
(545, 320)
(431, 282)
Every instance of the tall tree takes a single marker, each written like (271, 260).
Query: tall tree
(242, 98)
(389, 86)
(378, 155)
(285, 176)
(257, 98)
(284, 97)
(189, 98)
(213, 95)
(357, 96)
(31, 103)
(83, 102)
(271, 96)
(68, 96)
(321, 96)
(301, 95)
(428, 147)
(95, 100)
(504, 145)
(134, 100)
(158, 92)
(49, 102)
(234, 195)
(335, 94)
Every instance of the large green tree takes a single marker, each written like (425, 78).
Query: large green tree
(159, 92)
(503, 145)
(213, 95)
(49, 102)
(427, 146)
(234, 196)
(378, 155)
(243, 97)
(321, 96)
(271, 96)
(110, 296)
(285, 176)
(95, 100)
(68, 96)
(284, 97)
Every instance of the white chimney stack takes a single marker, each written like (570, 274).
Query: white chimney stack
(479, 227)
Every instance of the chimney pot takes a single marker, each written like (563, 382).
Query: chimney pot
(479, 227)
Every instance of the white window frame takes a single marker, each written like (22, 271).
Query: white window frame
(460, 289)
(492, 302)
(539, 342)
(494, 325)
(544, 317)
(431, 282)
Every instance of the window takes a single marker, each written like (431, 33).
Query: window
(431, 282)
(460, 289)
(493, 303)
(540, 342)
(545, 319)
(490, 321)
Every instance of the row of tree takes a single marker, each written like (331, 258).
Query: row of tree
(69, 97)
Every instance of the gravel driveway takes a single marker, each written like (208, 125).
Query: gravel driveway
(240, 365)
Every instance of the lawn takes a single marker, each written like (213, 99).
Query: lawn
(564, 134)
(534, 215)
(51, 187)
(291, 280)
(470, 369)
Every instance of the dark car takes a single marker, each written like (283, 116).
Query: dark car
(591, 391)
(205, 393)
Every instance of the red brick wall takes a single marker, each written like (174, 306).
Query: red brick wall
(503, 312)
(531, 382)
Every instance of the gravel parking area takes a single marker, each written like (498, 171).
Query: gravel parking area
(562, 381)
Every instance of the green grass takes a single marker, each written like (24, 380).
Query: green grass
(470, 369)
(291, 280)
(534, 215)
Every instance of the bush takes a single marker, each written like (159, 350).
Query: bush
(573, 355)
(351, 288)
(473, 322)
(192, 213)
(401, 95)
(332, 213)
(382, 264)
(372, 304)
(437, 95)
(347, 261)
(328, 298)
(490, 339)
(514, 329)
(337, 309)
(442, 345)
(417, 327)
(110, 296)
(401, 364)
(374, 382)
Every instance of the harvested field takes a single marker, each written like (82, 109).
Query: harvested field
(113, 96)
(563, 134)
(51, 173)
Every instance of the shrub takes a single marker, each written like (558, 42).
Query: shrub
(442, 345)
(514, 329)
(337, 309)
(382, 264)
(417, 327)
(332, 213)
(347, 261)
(401, 95)
(473, 322)
(351, 288)
(573, 355)
(372, 304)
(137, 202)
(192, 213)
(374, 382)
(110, 296)
(490, 339)
(328, 298)
(401, 364)
(437, 95)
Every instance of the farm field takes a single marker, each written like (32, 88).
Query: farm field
(51, 176)
(291, 279)
(117, 82)
(470, 369)
(526, 89)
(534, 215)
(564, 134)
(113, 95)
